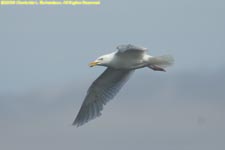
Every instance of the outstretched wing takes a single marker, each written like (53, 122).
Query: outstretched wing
(103, 89)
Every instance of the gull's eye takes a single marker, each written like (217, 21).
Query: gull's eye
(100, 59)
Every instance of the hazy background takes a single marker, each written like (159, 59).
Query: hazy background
(44, 52)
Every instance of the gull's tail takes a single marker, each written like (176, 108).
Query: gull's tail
(158, 63)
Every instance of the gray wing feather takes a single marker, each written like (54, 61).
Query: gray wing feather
(130, 51)
(103, 89)
(130, 48)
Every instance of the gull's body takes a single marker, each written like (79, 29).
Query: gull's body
(120, 65)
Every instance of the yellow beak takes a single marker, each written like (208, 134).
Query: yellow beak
(94, 63)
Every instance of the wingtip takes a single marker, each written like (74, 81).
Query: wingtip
(75, 124)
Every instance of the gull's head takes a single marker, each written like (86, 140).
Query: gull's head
(102, 60)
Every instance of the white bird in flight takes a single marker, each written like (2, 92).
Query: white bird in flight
(120, 65)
